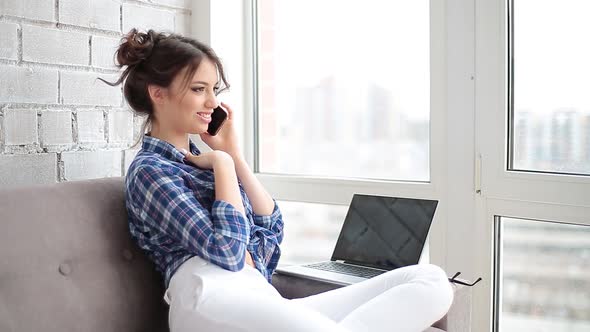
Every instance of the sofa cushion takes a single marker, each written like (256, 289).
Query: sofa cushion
(68, 263)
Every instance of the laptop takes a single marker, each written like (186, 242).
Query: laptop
(379, 234)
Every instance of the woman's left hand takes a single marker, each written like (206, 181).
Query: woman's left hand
(227, 138)
(249, 260)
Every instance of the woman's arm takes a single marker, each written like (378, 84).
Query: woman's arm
(253, 187)
(226, 184)
(266, 213)
(262, 202)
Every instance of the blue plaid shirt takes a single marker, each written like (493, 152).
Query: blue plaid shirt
(173, 215)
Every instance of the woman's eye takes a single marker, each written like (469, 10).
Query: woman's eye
(199, 89)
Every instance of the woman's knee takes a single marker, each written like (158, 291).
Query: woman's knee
(431, 281)
(434, 271)
(441, 290)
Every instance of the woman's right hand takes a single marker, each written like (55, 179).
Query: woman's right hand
(226, 180)
(208, 160)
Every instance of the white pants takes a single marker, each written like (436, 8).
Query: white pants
(204, 297)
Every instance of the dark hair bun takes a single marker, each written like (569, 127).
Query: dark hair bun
(135, 47)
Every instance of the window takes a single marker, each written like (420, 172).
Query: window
(342, 105)
(531, 145)
(544, 268)
(311, 231)
(344, 89)
(544, 265)
(550, 67)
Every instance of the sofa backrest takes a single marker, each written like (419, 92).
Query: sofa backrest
(68, 263)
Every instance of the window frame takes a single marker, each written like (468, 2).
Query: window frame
(504, 192)
(315, 189)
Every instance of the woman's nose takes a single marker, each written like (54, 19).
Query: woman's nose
(211, 102)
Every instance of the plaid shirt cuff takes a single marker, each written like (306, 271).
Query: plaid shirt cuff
(230, 222)
(268, 220)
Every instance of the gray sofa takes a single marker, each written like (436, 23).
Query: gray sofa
(67, 263)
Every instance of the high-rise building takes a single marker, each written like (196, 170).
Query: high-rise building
(377, 122)
(523, 139)
(562, 137)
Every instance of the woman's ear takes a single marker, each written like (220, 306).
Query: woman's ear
(157, 94)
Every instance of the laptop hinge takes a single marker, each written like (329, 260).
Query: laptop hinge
(339, 261)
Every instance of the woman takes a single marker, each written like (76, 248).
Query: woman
(212, 229)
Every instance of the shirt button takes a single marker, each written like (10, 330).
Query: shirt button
(65, 269)
(127, 254)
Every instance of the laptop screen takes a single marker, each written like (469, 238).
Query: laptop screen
(384, 232)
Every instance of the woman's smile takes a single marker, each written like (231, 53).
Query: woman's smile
(205, 117)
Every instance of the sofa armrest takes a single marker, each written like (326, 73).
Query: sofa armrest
(458, 319)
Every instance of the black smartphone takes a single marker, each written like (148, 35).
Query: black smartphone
(217, 119)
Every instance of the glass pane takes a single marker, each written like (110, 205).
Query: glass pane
(545, 269)
(310, 231)
(340, 79)
(551, 79)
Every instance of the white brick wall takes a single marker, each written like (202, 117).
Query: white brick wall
(55, 46)
(103, 51)
(137, 124)
(99, 14)
(90, 126)
(171, 3)
(91, 164)
(20, 127)
(8, 41)
(34, 9)
(56, 127)
(120, 126)
(83, 88)
(146, 17)
(28, 85)
(58, 122)
(182, 24)
(28, 169)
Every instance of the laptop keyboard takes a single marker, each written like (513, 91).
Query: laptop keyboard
(357, 271)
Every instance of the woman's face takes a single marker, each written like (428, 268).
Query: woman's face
(189, 110)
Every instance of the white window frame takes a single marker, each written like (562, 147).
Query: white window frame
(340, 191)
(517, 194)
